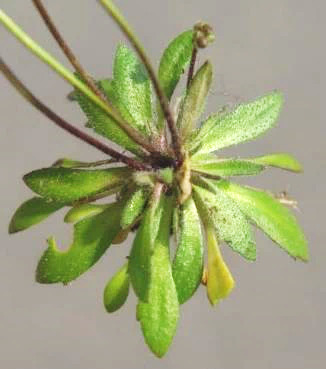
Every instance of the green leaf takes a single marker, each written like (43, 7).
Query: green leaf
(246, 122)
(116, 290)
(134, 207)
(188, 261)
(281, 160)
(133, 88)
(195, 99)
(31, 212)
(269, 215)
(160, 314)
(210, 164)
(102, 124)
(83, 211)
(109, 89)
(142, 248)
(69, 185)
(174, 61)
(219, 278)
(92, 237)
(229, 222)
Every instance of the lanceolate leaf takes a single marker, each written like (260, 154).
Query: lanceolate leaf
(227, 167)
(92, 237)
(160, 314)
(188, 261)
(281, 160)
(69, 185)
(219, 279)
(133, 88)
(99, 121)
(116, 290)
(83, 211)
(142, 248)
(174, 61)
(31, 212)
(227, 219)
(269, 215)
(134, 206)
(246, 122)
(194, 102)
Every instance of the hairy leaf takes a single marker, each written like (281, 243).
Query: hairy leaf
(281, 160)
(31, 212)
(102, 124)
(133, 88)
(69, 185)
(269, 215)
(160, 314)
(194, 102)
(246, 122)
(134, 207)
(227, 219)
(83, 211)
(219, 279)
(174, 61)
(142, 248)
(188, 261)
(209, 164)
(109, 89)
(92, 237)
(117, 290)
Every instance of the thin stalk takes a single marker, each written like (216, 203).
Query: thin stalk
(126, 29)
(27, 94)
(73, 80)
(192, 66)
(67, 50)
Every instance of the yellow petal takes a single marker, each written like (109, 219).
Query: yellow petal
(219, 279)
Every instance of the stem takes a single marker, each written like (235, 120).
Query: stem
(66, 49)
(192, 65)
(73, 80)
(26, 93)
(126, 29)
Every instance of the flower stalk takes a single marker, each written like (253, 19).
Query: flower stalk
(56, 119)
(126, 29)
(63, 72)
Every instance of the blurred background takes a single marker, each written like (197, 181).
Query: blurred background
(275, 317)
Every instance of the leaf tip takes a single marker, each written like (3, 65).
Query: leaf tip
(12, 228)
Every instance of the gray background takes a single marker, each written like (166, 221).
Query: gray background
(275, 317)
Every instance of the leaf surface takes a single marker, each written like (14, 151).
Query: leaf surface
(142, 248)
(83, 211)
(32, 212)
(133, 88)
(279, 160)
(194, 102)
(69, 185)
(174, 61)
(211, 165)
(269, 215)
(92, 237)
(188, 261)
(227, 219)
(102, 124)
(160, 314)
(219, 279)
(117, 290)
(134, 207)
(246, 122)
